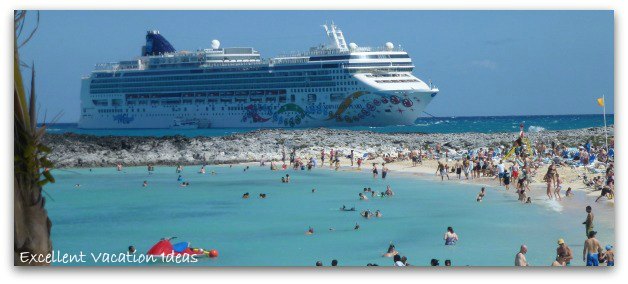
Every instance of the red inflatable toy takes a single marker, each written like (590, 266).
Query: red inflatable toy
(165, 247)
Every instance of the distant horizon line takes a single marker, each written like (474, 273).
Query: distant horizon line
(446, 116)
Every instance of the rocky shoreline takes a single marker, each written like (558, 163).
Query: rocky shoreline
(75, 150)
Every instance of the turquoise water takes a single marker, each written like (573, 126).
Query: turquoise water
(111, 210)
(482, 124)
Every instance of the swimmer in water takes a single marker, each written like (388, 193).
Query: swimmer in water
(77, 185)
(180, 178)
(262, 195)
(245, 196)
(202, 170)
(362, 196)
(480, 195)
(389, 191)
(313, 190)
(391, 251)
(184, 184)
(450, 237)
(378, 214)
(310, 231)
(357, 226)
(145, 184)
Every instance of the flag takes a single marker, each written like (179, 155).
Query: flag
(600, 101)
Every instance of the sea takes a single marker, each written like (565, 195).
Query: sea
(480, 124)
(111, 211)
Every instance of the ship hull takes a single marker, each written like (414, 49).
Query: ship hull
(361, 108)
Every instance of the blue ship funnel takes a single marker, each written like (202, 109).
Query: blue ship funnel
(156, 44)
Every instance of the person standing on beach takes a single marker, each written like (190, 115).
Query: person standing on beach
(359, 163)
(588, 223)
(440, 169)
(501, 168)
(322, 157)
(592, 250)
(458, 167)
(520, 258)
(559, 182)
(506, 179)
(351, 157)
(375, 173)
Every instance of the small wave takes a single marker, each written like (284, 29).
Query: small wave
(53, 130)
(534, 128)
(553, 205)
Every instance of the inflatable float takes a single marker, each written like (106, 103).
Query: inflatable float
(165, 247)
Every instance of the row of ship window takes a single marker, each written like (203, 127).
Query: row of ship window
(217, 76)
(396, 81)
(213, 88)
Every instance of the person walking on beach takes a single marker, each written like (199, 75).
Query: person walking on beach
(548, 180)
(450, 237)
(440, 169)
(564, 252)
(592, 250)
(588, 223)
(520, 258)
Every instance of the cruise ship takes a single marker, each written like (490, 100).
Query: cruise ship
(332, 84)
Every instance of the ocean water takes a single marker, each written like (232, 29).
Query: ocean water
(482, 124)
(111, 210)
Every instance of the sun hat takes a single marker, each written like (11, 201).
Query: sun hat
(609, 247)
(561, 241)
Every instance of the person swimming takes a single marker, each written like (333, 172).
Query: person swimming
(180, 178)
(389, 191)
(357, 226)
(245, 196)
(362, 196)
(262, 195)
(310, 231)
(480, 195)
(391, 251)
(145, 184)
(313, 190)
(450, 237)
(184, 184)
(378, 214)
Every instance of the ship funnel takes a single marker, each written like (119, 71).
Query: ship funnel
(156, 44)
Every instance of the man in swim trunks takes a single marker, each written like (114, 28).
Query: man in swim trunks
(592, 250)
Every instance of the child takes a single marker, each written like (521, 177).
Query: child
(609, 256)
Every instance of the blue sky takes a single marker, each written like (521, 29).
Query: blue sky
(484, 62)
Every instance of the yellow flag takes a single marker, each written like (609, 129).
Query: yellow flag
(600, 101)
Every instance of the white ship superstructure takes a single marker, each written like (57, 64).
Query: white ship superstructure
(335, 84)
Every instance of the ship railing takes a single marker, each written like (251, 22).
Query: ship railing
(336, 51)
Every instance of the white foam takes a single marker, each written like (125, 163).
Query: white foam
(534, 128)
(553, 205)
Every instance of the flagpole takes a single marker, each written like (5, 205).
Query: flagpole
(605, 130)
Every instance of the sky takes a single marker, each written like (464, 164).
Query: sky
(484, 62)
